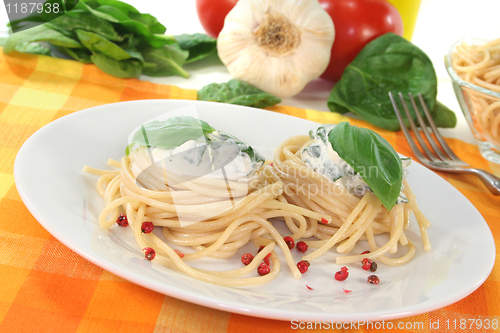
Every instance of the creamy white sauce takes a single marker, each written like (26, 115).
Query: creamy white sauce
(213, 157)
(320, 157)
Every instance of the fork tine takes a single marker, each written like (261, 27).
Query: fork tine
(435, 131)
(421, 141)
(424, 129)
(406, 132)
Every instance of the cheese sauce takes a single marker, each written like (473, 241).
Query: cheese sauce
(320, 157)
(213, 156)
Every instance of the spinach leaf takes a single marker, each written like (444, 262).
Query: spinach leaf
(224, 139)
(122, 6)
(75, 20)
(254, 155)
(372, 157)
(165, 61)
(38, 34)
(199, 45)
(98, 44)
(237, 92)
(113, 34)
(90, 7)
(170, 133)
(114, 15)
(389, 63)
(32, 48)
(443, 116)
(128, 12)
(150, 21)
(136, 27)
(35, 18)
(82, 55)
(128, 68)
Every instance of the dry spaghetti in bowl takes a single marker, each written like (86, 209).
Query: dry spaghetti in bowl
(211, 194)
(474, 67)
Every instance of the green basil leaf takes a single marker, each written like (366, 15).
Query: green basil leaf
(237, 92)
(372, 157)
(41, 33)
(165, 61)
(199, 45)
(170, 133)
(389, 63)
(173, 132)
(128, 68)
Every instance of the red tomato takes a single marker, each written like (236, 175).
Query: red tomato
(212, 13)
(357, 22)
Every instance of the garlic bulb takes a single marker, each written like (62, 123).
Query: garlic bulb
(276, 45)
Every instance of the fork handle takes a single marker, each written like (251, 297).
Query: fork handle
(491, 181)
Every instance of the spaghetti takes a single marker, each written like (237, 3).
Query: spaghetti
(214, 216)
(480, 65)
(353, 217)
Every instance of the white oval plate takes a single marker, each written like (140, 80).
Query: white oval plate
(63, 199)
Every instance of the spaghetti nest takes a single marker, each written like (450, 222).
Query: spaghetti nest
(210, 217)
(199, 214)
(353, 217)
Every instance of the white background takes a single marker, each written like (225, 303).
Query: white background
(440, 23)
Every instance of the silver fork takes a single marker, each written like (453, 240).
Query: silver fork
(439, 155)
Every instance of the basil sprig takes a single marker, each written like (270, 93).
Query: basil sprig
(170, 133)
(175, 131)
(372, 157)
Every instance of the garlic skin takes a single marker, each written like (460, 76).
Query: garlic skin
(276, 45)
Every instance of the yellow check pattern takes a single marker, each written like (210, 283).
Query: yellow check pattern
(45, 287)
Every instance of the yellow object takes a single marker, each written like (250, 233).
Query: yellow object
(409, 12)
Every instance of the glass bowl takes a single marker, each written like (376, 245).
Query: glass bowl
(480, 106)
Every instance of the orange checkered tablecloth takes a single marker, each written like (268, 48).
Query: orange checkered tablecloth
(45, 287)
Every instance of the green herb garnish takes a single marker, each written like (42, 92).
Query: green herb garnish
(170, 133)
(372, 157)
